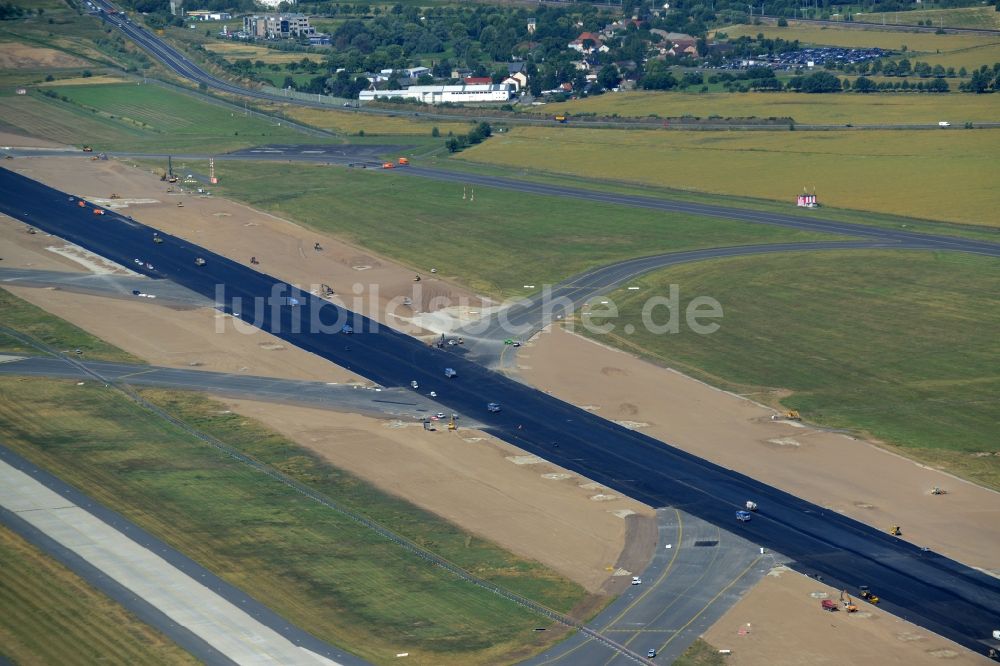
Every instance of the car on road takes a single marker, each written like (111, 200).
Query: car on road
(743, 516)
(450, 373)
(433, 394)
(636, 580)
(414, 384)
(440, 415)
(493, 407)
(347, 329)
(650, 653)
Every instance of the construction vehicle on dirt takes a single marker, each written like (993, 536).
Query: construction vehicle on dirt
(88, 149)
(115, 195)
(847, 602)
(866, 594)
(895, 531)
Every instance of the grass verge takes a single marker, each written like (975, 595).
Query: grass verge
(316, 567)
(48, 615)
(496, 243)
(700, 654)
(899, 346)
(23, 317)
(943, 176)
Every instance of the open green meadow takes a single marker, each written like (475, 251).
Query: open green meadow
(320, 569)
(23, 317)
(496, 243)
(966, 50)
(843, 109)
(937, 175)
(48, 615)
(898, 345)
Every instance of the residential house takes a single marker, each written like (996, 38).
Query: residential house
(588, 42)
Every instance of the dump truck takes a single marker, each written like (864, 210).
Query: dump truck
(828, 605)
(199, 261)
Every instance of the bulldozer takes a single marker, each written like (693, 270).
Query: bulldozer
(866, 594)
(895, 531)
(847, 602)
(452, 425)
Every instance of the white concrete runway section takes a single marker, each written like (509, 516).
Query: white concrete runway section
(219, 623)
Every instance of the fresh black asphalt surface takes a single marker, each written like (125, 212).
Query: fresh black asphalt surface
(921, 586)
(402, 403)
(145, 611)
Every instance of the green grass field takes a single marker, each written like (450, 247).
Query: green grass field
(495, 244)
(898, 345)
(127, 116)
(48, 615)
(320, 569)
(937, 175)
(25, 318)
(820, 109)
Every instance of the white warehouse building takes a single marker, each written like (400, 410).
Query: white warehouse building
(442, 94)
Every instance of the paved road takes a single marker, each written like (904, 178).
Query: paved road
(104, 285)
(212, 619)
(923, 587)
(184, 67)
(697, 573)
(399, 403)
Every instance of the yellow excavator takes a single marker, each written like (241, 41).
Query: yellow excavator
(868, 595)
(895, 531)
(847, 602)
(452, 425)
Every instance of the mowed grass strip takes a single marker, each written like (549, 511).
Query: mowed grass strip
(497, 243)
(936, 175)
(131, 116)
(899, 345)
(48, 615)
(316, 567)
(349, 122)
(21, 316)
(880, 109)
(233, 51)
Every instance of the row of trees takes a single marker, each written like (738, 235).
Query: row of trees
(983, 80)
(477, 134)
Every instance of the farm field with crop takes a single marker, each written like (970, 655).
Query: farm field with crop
(937, 175)
(835, 109)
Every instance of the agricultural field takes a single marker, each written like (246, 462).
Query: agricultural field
(985, 18)
(842, 109)
(493, 244)
(233, 51)
(322, 570)
(24, 318)
(48, 615)
(130, 116)
(965, 50)
(901, 346)
(935, 175)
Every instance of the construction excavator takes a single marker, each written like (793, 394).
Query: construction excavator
(866, 594)
(847, 602)
(895, 531)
